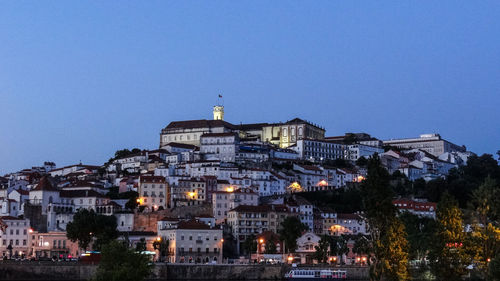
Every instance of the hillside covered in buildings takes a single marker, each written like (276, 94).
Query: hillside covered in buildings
(219, 191)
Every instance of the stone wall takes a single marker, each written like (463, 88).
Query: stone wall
(17, 271)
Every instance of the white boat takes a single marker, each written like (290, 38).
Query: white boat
(298, 274)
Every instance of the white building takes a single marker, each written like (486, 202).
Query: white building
(318, 150)
(356, 151)
(220, 146)
(223, 201)
(153, 192)
(14, 232)
(432, 143)
(192, 242)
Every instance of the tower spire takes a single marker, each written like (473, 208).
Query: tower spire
(219, 109)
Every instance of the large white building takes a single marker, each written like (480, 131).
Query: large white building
(153, 192)
(432, 143)
(319, 150)
(223, 201)
(220, 146)
(192, 241)
(356, 151)
(14, 236)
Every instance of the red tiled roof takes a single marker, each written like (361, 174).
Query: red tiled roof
(218, 135)
(348, 216)
(81, 193)
(182, 145)
(192, 124)
(158, 179)
(44, 184)
(192, 224)
(10, 218)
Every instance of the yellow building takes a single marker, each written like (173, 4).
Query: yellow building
(218, 112)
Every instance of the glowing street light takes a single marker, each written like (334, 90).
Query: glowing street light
(158, 238)
(230, 189)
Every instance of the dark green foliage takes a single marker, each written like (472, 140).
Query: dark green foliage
(291, 229)
(132, 202)
(494, 269)
(387, 235)
(362, 245)
(338, 163)
(114, 194)
(341, 200)
(141, 245)
(162, 247)
(448, 263)
(87, 225)
(362, 162)
(322, 250)
(229, 249)
(250, 244)
(125, 152)
(420, 232)
(119, 263)
(338, 245)
(271, 246)
(463, 181)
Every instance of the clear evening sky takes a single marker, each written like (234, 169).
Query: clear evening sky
(81, 79)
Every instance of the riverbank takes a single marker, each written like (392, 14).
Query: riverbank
(21, 271)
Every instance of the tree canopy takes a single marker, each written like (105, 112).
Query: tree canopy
(291, 229)
(387, 233)
(119, 263)
(87, 225)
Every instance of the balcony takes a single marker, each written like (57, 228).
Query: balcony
(199, 241)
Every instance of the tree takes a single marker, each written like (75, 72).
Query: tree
(81, 228)
(119, 263)
(338, 245)
(250, 245)
(271, 246)
(447, 255)
(494, 269)
(141, 245)
(362, 246)
(484, 201)
(321, 253)
(132, 202)
(420, 231)
(87, 225)
(396, 252)
(362, 162)
(291, 229)
(386, 231)
(104, 230)
(162, 247)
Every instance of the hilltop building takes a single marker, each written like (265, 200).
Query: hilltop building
(280, 134)
(432, 143)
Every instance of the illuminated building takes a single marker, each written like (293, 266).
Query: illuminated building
(223, 201)
(14, 232)
(218, 112)
(432, 143)
(153, 190)
(192, 242)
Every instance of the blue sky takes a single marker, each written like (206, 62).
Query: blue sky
(81, 79)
